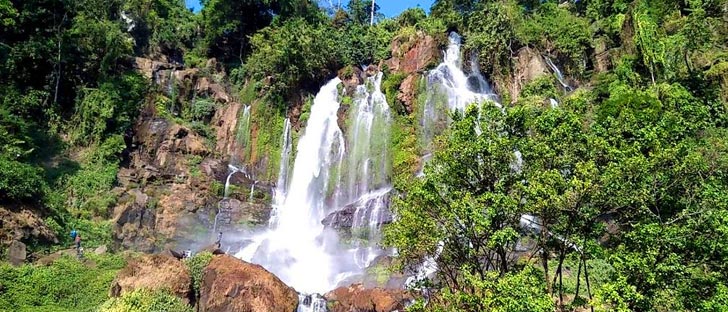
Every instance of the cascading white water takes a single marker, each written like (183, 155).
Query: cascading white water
(553, 102)
(365, 176)
(559, 75)
(450, 89)
(330, 174)
(296, 247)
(279, 194)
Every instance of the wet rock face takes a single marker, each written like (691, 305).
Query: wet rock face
(356, 298)
(344, 218)
(154, 272)
(351, 77)
(230, 284)
(407, 92)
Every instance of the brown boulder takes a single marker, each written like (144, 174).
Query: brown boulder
(356, 298)
(154, 272)
(529, 66)
(407, 91)
(410, 55)
(230, 284)
(134, 222)
(225, 122)
(351, 77)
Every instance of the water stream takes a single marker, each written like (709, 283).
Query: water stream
(559, 75)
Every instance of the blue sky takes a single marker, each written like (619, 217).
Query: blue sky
(388, 7)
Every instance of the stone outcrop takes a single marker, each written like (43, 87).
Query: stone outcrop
(343, 219)
(134, 222)
(154, 272)
(351, 77)
(529, 66)
(357, 298)
(411, 55)
(230, 284)
(21, 223)
(407, 92)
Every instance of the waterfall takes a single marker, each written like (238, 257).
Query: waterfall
(311, 303)
(553, 102)
(332, 173)
(242, 137)
(252, 191)
(295, 246)
(281, 185)
(450, 89)
(366, 171)
(559, 75)
(223, 207)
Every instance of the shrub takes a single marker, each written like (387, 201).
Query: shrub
(142, 300)
(19, 181)
(196, 265)
(65, 285)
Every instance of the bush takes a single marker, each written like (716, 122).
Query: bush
(65, 285)
(196, 265)
(201, 110)
(20, 181)
(142, 300)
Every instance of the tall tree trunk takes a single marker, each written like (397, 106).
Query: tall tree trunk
(371, 22)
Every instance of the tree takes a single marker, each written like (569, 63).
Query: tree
(464, 213)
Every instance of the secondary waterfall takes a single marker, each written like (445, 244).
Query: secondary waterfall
(279, 194)
(333, 173)
(449, 88)
(559, 75)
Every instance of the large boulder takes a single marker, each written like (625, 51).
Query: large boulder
(23, 223)
(357, 298)
(413, 54)
(154, 272)
(407, 92)
(230, 284)
(529, 66)
(134, 222)
(17, 253)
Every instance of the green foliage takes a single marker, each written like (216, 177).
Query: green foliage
(390, 88)
(520, 291)
(543, 86)
(20, 181)
(142, 300)
(196, 265)
(111, 108)
(200, 110)
(88, 189)
(65, 285)
(289, 56)
(491, 28)
(557, 30)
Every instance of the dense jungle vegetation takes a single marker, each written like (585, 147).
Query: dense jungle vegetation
(627, 177)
